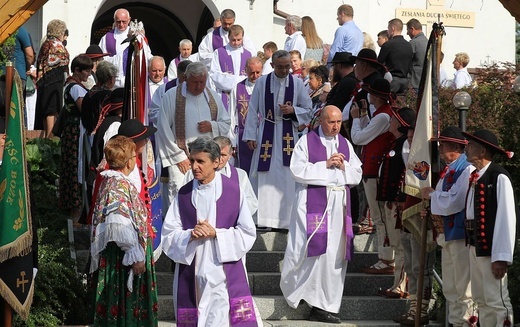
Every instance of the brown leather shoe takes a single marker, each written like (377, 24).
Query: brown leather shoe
(379, 269)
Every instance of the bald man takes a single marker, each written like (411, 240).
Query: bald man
(324, 166)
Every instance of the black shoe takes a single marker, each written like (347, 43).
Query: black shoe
(318, 314)
(280, 230)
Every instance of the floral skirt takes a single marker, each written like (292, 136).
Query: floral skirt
(115, 305)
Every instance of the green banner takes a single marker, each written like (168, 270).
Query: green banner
(15, 220)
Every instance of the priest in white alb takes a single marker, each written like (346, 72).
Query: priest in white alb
(208, 231)
(187, 111)
(279, 105)
(319, 246)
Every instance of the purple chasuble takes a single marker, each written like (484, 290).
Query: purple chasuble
(241, 309)
(216, 39)
(266, 148)
(244, 154)
(226, 66)
(317, 218)
(110, 42)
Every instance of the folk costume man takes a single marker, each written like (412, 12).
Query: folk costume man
(188, 111)
(228, 66)
(391, 196)
(490, 229)
(373, 135)
(278, 105)
(240, 97)
(219, 37)
(324, 165)
(448, 200)
(208, 231)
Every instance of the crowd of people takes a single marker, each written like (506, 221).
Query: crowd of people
(304, 141)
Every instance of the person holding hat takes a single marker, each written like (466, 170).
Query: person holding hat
(373, 135)
(390, 193)
(490, 229)
(448, 200)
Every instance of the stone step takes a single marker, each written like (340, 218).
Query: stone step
(276, 308)
(272, 261)
(273, 241)
(356, 284)
(305, 323)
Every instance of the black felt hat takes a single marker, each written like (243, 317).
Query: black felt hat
(369, 56)
(135, 130)
(379, 88)
(488, 140)
(406, 118)
(94, 51)
(451, 134)
(343, 58)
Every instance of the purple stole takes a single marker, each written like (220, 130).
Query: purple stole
(216, 39)
(110, 42)
(241, 309)
(266, 153)
(317, 201)
(177, 60)
(244, 153)
(170, 84)
(226, 66)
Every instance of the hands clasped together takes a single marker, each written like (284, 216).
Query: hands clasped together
(203, 230)
(337, 160)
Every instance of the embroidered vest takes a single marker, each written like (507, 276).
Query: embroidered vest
(374, 152)
(391, 178)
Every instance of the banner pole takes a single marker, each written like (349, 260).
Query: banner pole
(9, 76)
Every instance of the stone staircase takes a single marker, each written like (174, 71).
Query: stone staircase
(360, 306)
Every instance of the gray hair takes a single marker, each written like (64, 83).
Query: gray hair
(56, 28)
(185, 42)
(161, 59)
(227, 13)
(196, 69)
(207, 145)
(296, 21)
(281, 54)
(122, 10)
(105, 71)
(223, 141)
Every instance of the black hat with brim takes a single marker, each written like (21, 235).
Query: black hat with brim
(379, 88)
(135, 130)
(342, 58)
(488, 140)
(451, 134)
(369, 56)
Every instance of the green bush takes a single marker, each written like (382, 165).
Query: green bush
(60, 292)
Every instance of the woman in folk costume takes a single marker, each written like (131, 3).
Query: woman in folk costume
(121, 248)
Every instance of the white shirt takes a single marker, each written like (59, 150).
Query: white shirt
(462, 79)
(296, 41)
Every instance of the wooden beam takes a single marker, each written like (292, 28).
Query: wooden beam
(14, 14)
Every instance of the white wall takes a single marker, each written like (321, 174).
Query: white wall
(493, 35)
